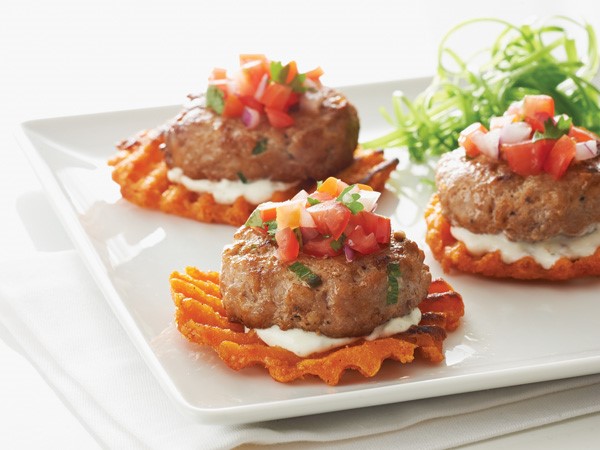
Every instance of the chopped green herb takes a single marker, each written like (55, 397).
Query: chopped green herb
(554, 131)
(255, 220)
(339, 243)
(242, 177)
(298, 234)
(529, 59)
(393, 271)
(260, 147)
(271, 227)
(305, 274)
(279, 74)
(313, 201)
(319, 183)
(215, 99)
(353, 204)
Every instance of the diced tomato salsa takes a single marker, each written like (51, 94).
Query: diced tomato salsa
(267, 87)
(328, 222)
(531, 139)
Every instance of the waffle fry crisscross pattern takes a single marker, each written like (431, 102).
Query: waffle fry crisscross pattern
(202, 319)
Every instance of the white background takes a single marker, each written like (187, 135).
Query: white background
(67, 57)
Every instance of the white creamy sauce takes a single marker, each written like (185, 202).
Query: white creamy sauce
(227, 191)
(545, 253)
(304, 343)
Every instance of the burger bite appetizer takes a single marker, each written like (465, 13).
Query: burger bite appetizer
(521, 200)
(316, 285)
(261, 134)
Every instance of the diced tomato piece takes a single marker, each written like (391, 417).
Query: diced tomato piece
(279, 119)
(560, 157)
(314, 74)
(527, 158)
(250, 57)
(250, 76)
(268, 210)
(380, 226)
(251, 102)
(362, 242)
(288, 246)
(233, 106)
(330, 217)
(465, 139)
(292, 100)
(581, 134)
(537, 109)
(288, 214)
(320, 247)
(276, 96)
(331, 186)
(218, 74)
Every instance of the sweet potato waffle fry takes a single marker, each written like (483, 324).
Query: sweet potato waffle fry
(139, 168)
(201, 318)
(453, 254)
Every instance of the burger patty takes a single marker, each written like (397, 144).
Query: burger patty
(260, 291)
(321, 142)
(486, 197)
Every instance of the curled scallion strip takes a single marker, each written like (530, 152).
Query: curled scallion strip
(529, 59)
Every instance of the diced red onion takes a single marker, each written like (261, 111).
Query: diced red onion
(349, 253)
(301, 195)
(369, 199)
(586, 150)
(513, 133)
(502, 121)
(306, 219)
(308, 233)
(488, 143)
(250, 117)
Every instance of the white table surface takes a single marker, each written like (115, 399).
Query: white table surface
(67, 57)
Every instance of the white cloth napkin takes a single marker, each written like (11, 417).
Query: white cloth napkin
(62, 324)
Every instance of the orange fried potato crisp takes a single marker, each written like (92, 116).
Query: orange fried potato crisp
(141, 171)
(453, 254)
(202, 319)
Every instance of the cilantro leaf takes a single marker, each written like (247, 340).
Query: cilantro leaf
(554, 130)
(313, 201)
(215, 99)
(393, 272)
(279, 74)
(242, 178)
(305, 274)
(260, 147)
(354, 205)
(271, 227)
(338, 244)
(297, 83)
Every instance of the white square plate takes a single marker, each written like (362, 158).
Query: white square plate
(512, 332)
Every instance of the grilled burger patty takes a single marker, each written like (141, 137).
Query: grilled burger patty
(260, 291)
(320, 143)
(486, 197)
